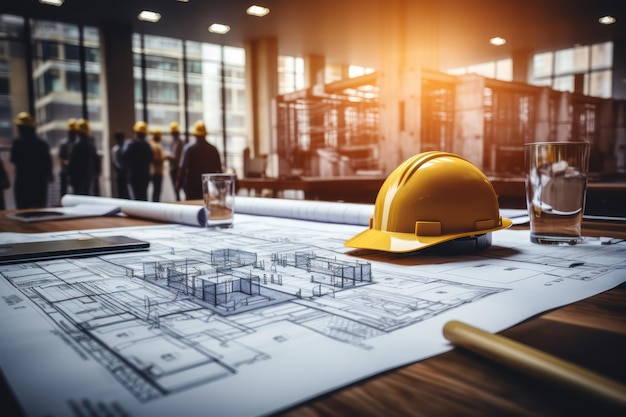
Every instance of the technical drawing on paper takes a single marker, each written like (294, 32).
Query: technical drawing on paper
(185, 313)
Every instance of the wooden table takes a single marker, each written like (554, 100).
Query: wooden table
(591, 333)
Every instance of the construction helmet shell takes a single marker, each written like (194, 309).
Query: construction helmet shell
(199, 129)
(141, 127)
(71, 125)
(431, 198)
(174, 128)
(156, 134)
(25, 119)
(82, 127)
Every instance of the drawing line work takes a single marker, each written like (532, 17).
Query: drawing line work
(202, 308)
(192, 311)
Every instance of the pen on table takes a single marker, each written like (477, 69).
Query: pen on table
(533, 362)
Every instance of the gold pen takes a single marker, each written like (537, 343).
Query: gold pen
(533, 362)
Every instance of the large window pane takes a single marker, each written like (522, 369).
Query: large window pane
(594, 62)
(235, 106)
(290, 74)
(600, 84)
(542, 65)
(572, 60)
(212, 92)
(164, 81)
(59, 94)
(565, 83)
(487, 69)
(504, 69)
(602, 55)
(13, 87)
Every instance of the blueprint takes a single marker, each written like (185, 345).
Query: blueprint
(250, 320)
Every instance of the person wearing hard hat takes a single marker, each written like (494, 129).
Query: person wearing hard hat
(198, 158)
(158, 163)
(33, 165)
(83, 164)
(138, 157)
(65, 150)
(176, 151)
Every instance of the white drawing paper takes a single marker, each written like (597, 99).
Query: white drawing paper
(250, 320)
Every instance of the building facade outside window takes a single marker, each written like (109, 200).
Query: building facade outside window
(187, 81)
(585, 69)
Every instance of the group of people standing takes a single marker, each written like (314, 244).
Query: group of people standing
(137, 162)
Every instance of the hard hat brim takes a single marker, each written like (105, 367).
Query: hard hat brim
(409, 242)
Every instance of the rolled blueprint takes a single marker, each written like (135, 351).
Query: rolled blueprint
(166, 212)
(190, 214)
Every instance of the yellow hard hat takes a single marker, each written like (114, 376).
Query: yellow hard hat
(431, 198)
(174, 128)
(71, 125)
(141, 127)
(82, 127)
(199, 129)
(25, 119)
(156, 133)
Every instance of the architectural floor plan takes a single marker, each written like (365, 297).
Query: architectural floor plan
(274, 310)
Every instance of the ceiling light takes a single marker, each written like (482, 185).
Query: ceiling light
(52, 2)
(497, 41)
(607, 20)
(219, 28)
(148, 16)
(258, 11)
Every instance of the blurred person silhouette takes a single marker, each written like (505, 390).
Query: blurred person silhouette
(84, 161)
(95, 181)
(119, 167)
(65, 150)
(176, 151)
(5, 183)
(158, 163)
(199, 157)
(33, 164)
(138, 157)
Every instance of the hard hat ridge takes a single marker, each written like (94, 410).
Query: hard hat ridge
(24, 118)
(82, 127)
(71, 125)
(199, 129)
(141, 127)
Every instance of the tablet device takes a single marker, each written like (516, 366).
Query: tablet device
(63, 248)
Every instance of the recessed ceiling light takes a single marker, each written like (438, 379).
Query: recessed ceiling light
(52, 2)
(497, 41)
(258, 11)
(219, 28)
(607, 20)
(148, 16)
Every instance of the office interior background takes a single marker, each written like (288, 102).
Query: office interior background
(323, 88)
